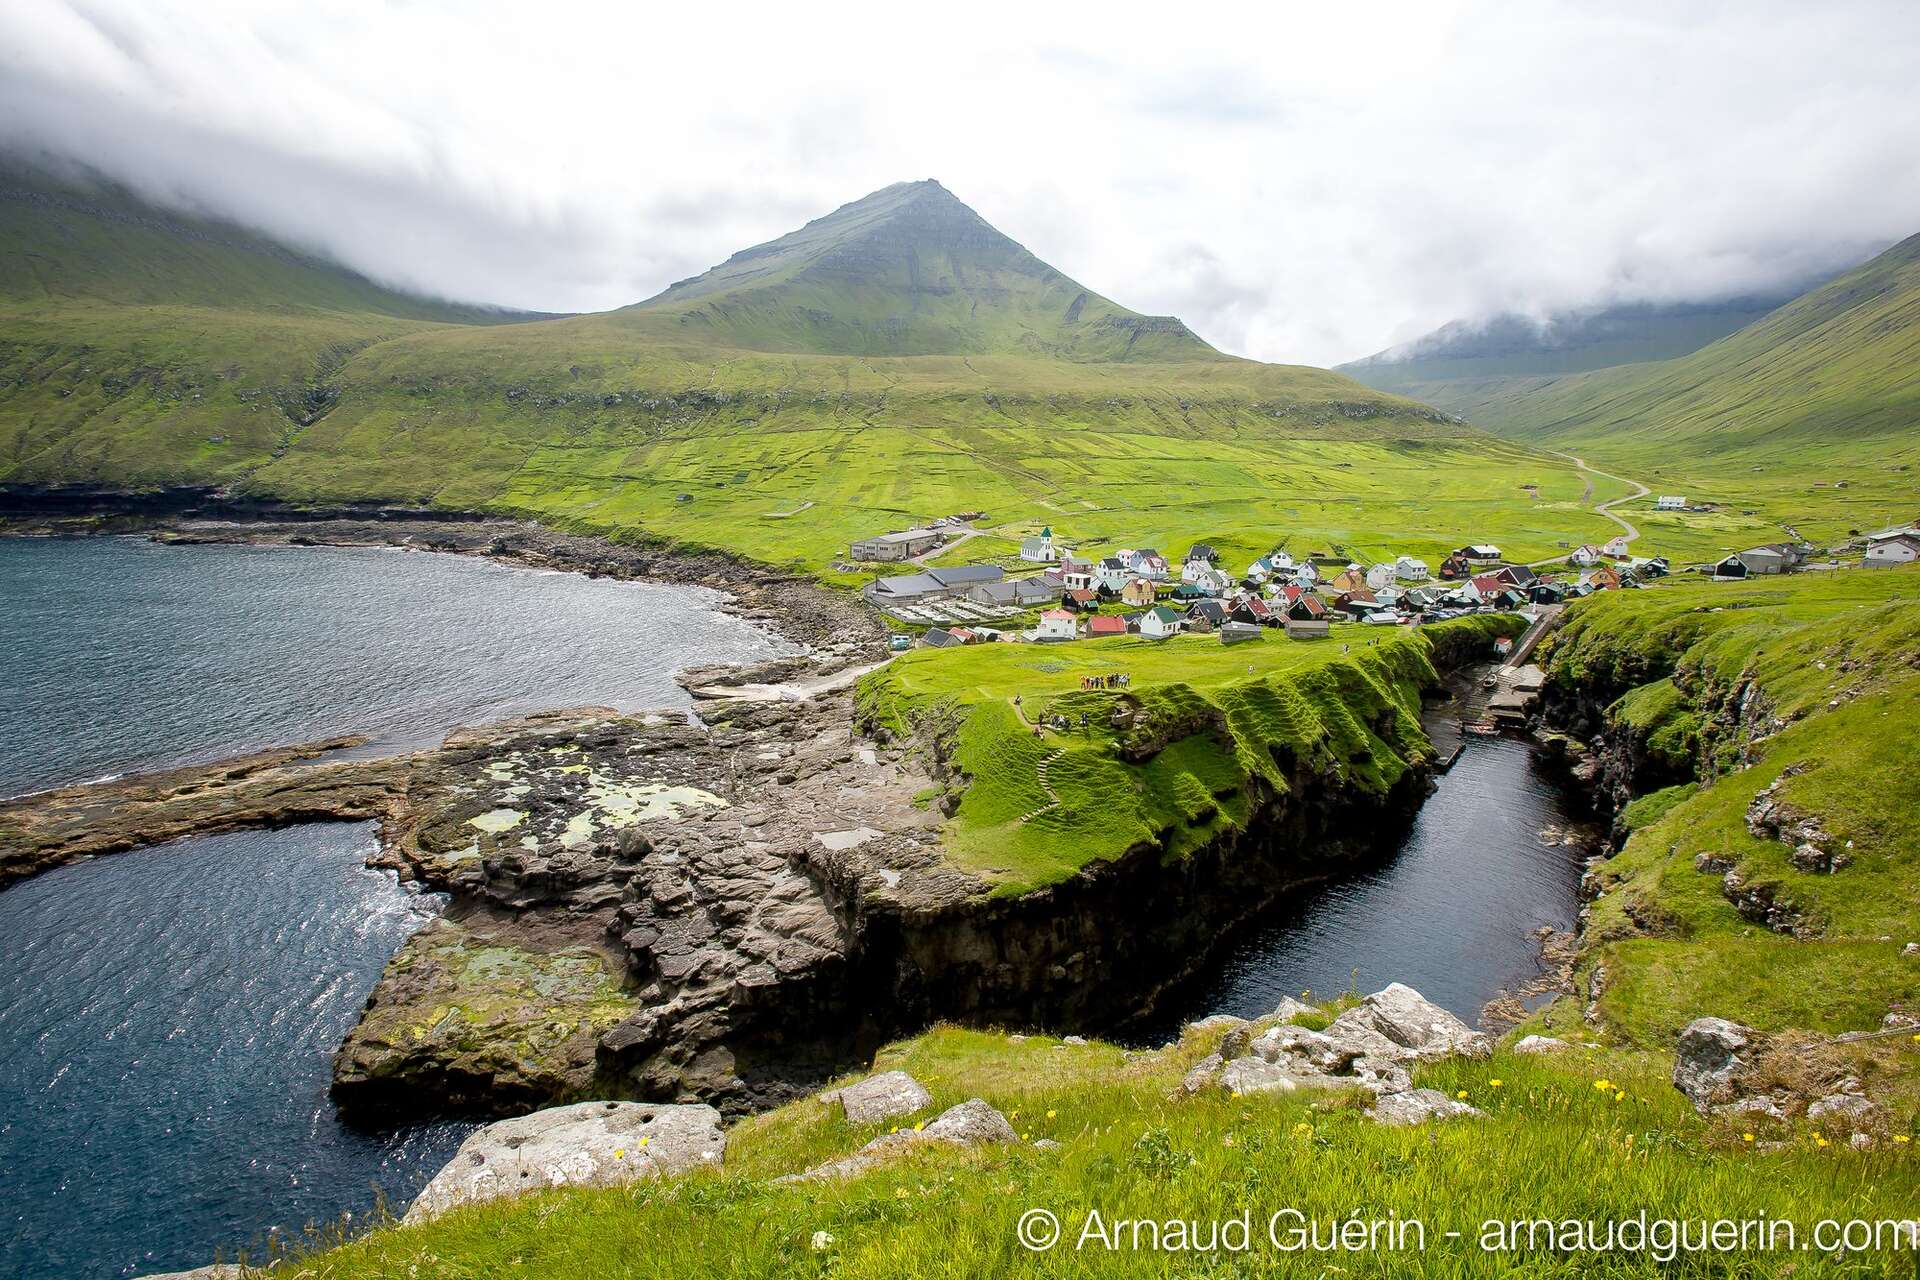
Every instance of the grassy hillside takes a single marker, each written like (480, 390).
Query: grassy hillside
(1551, 1146)
(908, 270)
(1515, 346)
(1213, 723)
(1769, 419)
(141, 347)
(755, 409)
(1731, 688)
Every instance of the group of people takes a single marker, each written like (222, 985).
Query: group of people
(1112, 680)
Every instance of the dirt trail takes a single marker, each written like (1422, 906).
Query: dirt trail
(1605, 508)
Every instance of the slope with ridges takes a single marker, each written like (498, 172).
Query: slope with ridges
(909, 270)
(646, 422)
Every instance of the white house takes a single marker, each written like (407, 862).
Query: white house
(1617, 547)
(1902, 548)
(1408, 569)
(1056, 624)
(1159, 623)
(1670, 502)
(1305, 575)
(1586, 554)
(1113, 573)
(1380, 575)
(1764, 560)
(1038, 550)
(1203, 575)
(1148, 563)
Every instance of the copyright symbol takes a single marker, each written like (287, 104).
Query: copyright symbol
(1039, 1230)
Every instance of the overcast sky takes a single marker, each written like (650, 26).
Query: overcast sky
(1299, 183)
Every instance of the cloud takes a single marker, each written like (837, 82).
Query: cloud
(1304, 186)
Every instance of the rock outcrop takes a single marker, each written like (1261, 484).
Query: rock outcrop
(1418, 1106)
(589, 1144)
(1371, 1047)
(1710, 1056)
(970, 1124)
(889, 1095)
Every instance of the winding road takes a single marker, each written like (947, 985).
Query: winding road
(1604, 508)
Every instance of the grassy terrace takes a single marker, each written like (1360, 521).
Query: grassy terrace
(1209, 726)
(1836, 662)
(1552, 1146)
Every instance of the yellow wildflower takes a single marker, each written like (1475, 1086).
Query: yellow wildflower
(1051, 1113)
(1746, 1137)
(619, 1153)
(1461, 1094)
(1620, 1096)
(1901, 1137)
(1495, 1084)
(918, 1125)
(1603, 1085)
(644, 1141)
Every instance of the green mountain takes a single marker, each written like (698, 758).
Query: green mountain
(910, 270)
(1834, 372)
(68, 240)
(892, 362)
(1511, 345)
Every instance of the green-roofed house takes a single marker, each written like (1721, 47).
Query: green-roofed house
(1160, 623)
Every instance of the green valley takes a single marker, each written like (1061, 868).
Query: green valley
(1803, 418)
(892, 362)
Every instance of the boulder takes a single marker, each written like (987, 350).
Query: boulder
(1708, 1059)
(1417, 1106)
(588, 1144)
(882, 1097)
(1217, 1022)
(1329, 1052)
(1854, 1109)
(1288, 1009)
(1255, 1075)
(1419, 1028)
(1202, 1074)
(971, 1123)
(1539, 1044)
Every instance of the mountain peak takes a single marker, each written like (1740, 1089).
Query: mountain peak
(911, 269)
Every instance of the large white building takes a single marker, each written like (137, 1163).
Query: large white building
(1901, 548)
(1670, 502)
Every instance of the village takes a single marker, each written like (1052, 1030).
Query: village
(1140, 591)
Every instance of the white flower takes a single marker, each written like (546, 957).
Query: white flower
(822, 1240)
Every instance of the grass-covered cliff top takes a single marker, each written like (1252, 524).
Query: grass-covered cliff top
(1552, 1146)
(1811, 682)
(1205, 732)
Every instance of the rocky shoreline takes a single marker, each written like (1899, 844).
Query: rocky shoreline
(830, 625)
(724, 910)
(725, 907)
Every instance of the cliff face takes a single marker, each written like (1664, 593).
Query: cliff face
(1745, 742)
(730, 910)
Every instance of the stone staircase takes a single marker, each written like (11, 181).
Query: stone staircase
(1040, 774)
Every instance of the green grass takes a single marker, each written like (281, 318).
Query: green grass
(146, 351)
(1764, 422)
(1552, 1146)
(1214, 730)
(1826, 668)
